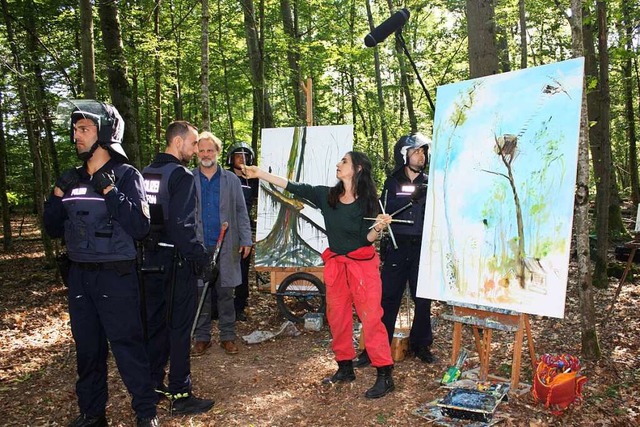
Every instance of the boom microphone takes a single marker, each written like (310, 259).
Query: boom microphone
(384, 30)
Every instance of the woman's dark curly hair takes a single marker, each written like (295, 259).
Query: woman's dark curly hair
(366, 192)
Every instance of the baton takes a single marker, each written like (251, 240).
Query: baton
(211, 267)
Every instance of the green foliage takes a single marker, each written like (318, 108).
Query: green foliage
(328, 43)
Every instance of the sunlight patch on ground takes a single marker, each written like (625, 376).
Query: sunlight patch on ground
(25, 348)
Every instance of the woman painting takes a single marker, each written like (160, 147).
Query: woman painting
(351, 270)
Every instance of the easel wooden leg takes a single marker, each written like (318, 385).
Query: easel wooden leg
(532, 350)
(517, 355)
(479, 346)
(457, 339)
(485, 352)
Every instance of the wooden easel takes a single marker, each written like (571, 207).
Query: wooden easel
(634, 245)
(484, 320)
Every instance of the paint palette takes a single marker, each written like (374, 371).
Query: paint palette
(469, 404)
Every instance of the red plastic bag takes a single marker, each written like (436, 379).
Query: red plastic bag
(557, 382)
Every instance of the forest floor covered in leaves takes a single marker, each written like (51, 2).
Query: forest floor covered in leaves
(278, 382)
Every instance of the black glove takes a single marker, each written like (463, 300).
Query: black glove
(102, 180)
(68, 179)
(211, 274)
(419, 193)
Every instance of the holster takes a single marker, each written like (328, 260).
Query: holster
(150, 243)
(64, 265)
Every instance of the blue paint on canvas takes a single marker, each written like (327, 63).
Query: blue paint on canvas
(501, 189)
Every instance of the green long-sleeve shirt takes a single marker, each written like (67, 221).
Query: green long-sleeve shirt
(345, 224)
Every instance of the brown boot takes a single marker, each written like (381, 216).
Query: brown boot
(229, 347)
(200, 347)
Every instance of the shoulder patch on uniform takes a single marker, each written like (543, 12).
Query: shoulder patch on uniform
(145, 209)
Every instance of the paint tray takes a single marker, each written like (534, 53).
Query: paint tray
(469, 404)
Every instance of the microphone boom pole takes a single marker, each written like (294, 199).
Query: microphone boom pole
(400, 39)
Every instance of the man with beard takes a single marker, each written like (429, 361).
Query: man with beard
(220, 200)
(100, 208)
(173, 244)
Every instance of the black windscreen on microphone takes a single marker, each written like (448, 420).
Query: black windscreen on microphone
(384, 30)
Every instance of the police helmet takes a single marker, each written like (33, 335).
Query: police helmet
(240, 147)
(107, 119)
(406, 142)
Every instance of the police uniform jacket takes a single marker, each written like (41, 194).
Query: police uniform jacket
(96, 227)
(397, 192)
(177, 195)
(234, 211)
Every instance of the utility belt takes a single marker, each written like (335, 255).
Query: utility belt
(195, 267)
(121, 267)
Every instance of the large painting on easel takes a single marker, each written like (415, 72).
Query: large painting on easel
(290, 232)
(502, 174)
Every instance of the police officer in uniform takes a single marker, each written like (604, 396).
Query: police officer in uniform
(100, 208)
(406, 185)
(172, 243)
(240, 154)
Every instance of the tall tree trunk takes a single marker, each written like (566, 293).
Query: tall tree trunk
(204, 67)
(225, 75)
(350, 76)
(598, 104)
(290, 20)
(481, 31)
(89, 87)
(49, 153)
(177, 88)
(628, 101)
(36, 158)
(590, 345)
(522, 18)
(381, 103)
(157, 76)
(119, 87)
(404, 81)
(256, 66)
(503, 50)
(269, 120)
(7, 240)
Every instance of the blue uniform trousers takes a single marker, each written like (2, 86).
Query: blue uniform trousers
(104, 306)
(401, 265)
(169, 339)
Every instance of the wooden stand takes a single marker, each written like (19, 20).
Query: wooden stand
(484, 320)
(633, 245)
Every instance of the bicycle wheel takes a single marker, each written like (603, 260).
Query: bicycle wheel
(300, 293)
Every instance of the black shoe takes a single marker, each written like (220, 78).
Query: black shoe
(383, 385)
(163, 392)
(424, 354)
(362, 361)
(147, 422)
(240, 316)
(344, 374)
(191, 405)
(84, 420)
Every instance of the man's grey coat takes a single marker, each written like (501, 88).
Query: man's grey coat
(233, 210)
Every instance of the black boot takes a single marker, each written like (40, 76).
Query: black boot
(84, 420)
(362, 361)
(383, 385)
(147, 422)
(344, 374)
